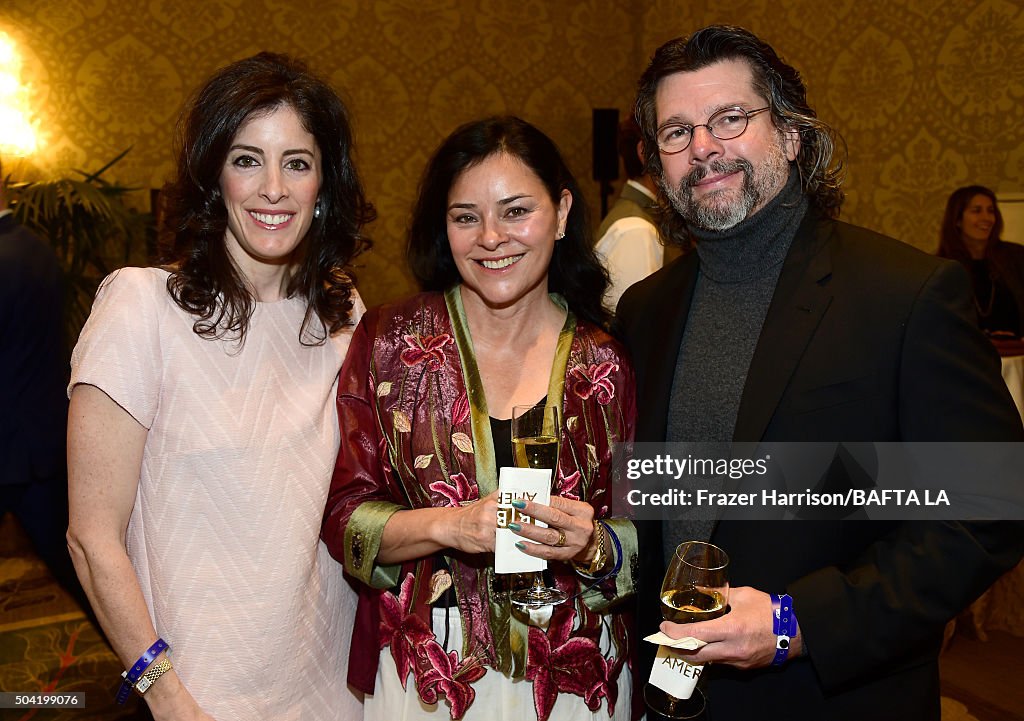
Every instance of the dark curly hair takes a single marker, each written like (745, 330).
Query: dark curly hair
(780, 84)
(204, 281)
(575, 271)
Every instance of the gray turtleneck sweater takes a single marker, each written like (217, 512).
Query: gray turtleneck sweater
(738, 271)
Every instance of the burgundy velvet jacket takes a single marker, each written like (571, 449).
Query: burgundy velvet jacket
(415, 433)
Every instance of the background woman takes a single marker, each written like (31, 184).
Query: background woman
(971, 233)
(202, 429)
(499, 239)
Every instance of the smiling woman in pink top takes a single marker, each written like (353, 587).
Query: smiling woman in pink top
(203, 432)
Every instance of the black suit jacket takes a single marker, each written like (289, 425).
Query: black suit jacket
(866, 339)
(33, 359)
(1009, 264)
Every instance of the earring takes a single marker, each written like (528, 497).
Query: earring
(561, 234)
(316, 210)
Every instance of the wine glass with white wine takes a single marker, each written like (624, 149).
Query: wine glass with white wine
(536, 432)
(696, 588)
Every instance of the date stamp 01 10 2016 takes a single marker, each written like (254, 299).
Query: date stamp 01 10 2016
(36, 699)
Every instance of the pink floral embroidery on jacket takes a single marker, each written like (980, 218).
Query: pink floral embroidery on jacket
(460, 410)
(613, 667)
(567, 485)
(402, 630)
(557, 664)
(462, 492)
(414, 649)
(594, 380)
(425, 349)
(443, 673)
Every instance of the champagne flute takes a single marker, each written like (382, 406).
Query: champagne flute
(536, 432)
(696, 588)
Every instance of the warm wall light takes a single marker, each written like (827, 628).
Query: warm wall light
(18, 134)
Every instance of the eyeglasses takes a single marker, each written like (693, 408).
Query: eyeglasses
(725, 124)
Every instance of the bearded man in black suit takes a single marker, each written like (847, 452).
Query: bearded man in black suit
(788, 325)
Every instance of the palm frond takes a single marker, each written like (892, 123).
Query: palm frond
(87, 223)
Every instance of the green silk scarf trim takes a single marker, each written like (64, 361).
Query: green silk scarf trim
(363, 535)
(510, 632)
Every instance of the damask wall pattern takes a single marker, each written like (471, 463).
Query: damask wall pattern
(929, 94)
(108, 74)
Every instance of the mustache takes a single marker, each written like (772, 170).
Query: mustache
(716, 167)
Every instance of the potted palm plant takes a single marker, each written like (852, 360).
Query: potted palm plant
(88, 224)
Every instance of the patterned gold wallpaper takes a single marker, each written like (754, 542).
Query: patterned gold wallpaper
(107, 74)
(928, 93)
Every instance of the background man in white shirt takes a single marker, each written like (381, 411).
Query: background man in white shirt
(627, 239)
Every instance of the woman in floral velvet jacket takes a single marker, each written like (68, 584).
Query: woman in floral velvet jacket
(512, 316)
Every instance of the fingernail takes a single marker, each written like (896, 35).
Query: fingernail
(520, 545)
(519, 504)
(515, 527)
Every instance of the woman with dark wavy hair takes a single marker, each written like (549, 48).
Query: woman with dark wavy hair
(972, 229)
(511, 316)
(574, 270)
(202, 435)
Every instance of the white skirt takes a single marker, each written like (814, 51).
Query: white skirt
(497, 696)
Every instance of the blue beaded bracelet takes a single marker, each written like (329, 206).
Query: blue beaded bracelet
(132, 675)
(783, 625)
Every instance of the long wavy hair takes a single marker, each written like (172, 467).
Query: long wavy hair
(575, 271)
(951, 240)
(204, 281)
(820, 161)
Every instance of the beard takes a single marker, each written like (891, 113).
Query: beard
(720, 210)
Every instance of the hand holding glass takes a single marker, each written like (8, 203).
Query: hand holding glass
(696, 588)
(536, 431)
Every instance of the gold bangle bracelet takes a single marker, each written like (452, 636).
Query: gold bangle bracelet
(600, 559)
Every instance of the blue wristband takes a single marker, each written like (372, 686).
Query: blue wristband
(132, 675)
(783, 625)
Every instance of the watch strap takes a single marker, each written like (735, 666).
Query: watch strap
(131, 676)
(152, 674)
(600, 558)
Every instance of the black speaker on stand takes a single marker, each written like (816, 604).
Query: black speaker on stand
(606, 154)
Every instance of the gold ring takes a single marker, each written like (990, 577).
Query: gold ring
(561, 539)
